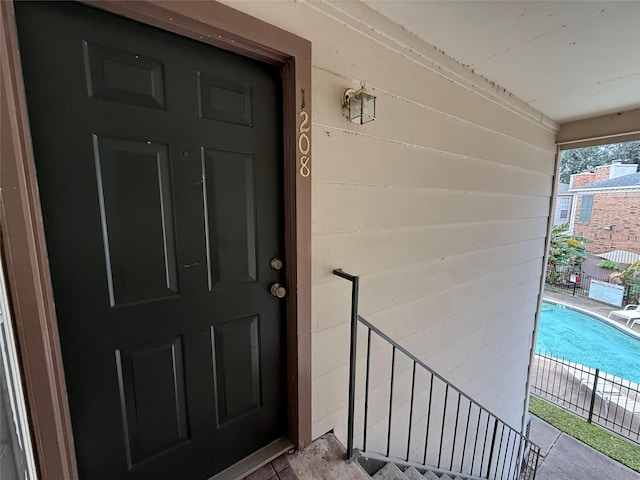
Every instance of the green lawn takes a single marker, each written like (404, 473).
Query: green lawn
(610, 444)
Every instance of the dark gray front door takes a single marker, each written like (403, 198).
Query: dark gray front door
(159, 166)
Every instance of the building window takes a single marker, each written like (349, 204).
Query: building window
(585, 209)
(564, 208)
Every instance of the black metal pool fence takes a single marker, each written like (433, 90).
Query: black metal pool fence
(601, 398)
(561, 280)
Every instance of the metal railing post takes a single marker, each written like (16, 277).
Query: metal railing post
(593, 395)
(352, 357)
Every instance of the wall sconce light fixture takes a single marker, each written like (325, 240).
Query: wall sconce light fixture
(608, 227)
(359, 105)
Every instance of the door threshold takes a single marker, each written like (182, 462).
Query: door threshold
(256, 460)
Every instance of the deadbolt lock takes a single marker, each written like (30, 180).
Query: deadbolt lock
(278, 290)
(276, 263)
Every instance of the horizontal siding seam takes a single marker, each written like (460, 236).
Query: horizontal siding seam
(440, 292)
(495, 273)
(439, 226)
(333, 413)
(334, 371)
(370, 313)
(468, 191)
(431, 149)
(448, 257)
(392, 228)
(474, 252)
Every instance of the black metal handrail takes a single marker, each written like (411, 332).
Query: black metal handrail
(469, 439)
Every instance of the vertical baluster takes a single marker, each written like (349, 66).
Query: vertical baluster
(466, 435)
(535, 466)
(584, 400)
(519, 457)
(484, 444)
(615, 408)
(492, 448)
(455, 434)
(513, 449)
(426, 435)
(393, 365)
(499, 448)
(413, 388)
(571, 394)
(594, 388)
(553, 385)
(366, 391)
(546, 388)
(444, 419)
(536, 365)
(475, 442)
(504, 459)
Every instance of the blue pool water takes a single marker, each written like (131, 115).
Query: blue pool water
(583, 339)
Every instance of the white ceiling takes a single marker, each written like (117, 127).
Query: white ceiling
(568, 59)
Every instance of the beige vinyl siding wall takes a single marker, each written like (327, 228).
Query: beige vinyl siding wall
(441, 205)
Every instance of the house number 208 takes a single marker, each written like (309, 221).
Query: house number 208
(304, 145)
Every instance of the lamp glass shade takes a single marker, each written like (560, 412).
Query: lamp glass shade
(362, 107)
(355, 109)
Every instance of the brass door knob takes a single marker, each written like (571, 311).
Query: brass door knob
(278, 290)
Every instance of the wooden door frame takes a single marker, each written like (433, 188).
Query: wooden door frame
(22, 232)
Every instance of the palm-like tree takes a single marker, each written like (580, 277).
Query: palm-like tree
(566, 254)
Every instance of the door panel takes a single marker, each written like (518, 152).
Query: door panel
(123, 76)
(159, 164)
(152, 396)
(231, 217)
(134, 187)
(236, 355)
(223, 100)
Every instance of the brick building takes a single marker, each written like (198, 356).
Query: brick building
(606, 208)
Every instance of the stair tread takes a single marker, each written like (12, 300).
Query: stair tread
(413, 474)
(390, 472)
(431, 476)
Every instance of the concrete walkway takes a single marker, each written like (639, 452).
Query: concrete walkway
(565, 458)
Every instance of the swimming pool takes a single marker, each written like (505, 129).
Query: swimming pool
(578, 337)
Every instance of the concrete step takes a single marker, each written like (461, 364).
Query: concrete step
(392, 472)
(443, 477)
(431, 476)
(412, 474)
(389, 472)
